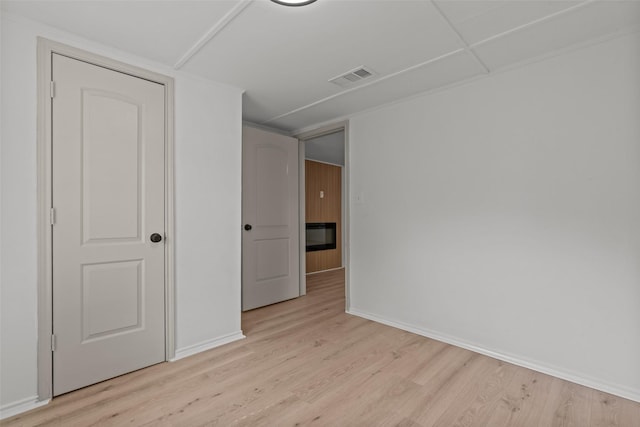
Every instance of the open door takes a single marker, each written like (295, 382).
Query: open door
(270, 235)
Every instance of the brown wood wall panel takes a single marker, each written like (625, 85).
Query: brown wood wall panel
(327, 178)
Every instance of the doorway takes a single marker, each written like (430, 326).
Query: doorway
(339, 133)
(324, 160)
(105, 192)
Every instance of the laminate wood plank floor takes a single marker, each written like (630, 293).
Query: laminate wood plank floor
(306, 362)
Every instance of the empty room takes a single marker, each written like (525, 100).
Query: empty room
(320, 212)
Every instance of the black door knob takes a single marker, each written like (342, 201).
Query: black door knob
(155, 237)
(248, 227)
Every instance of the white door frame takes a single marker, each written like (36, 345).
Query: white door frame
(302, 137)
(46, 48)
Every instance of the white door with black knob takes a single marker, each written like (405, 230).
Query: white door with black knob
(108, 177)
(270, 242)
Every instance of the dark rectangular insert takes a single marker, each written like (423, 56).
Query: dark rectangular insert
(321, 236)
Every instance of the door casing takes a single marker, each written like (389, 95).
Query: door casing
(45, 284)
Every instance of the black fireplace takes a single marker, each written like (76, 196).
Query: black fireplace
(321, 236)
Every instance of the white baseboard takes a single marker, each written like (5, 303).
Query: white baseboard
(20, 406)
(573, 377)
(181, 353)
(24, 405)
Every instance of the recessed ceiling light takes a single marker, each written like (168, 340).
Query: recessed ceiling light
(293, 2)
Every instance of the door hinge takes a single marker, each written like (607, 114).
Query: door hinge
(52, 216)
(52, 89)
(53, 342)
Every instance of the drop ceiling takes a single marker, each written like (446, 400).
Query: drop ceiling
(285, 57)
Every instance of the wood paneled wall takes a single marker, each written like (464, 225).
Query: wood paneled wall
(327, 178)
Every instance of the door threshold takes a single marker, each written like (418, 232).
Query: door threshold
(324, 271)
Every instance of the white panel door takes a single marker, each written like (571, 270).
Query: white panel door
(270, 242)
(108, 139)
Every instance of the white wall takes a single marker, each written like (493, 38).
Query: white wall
(326, 148)
(504, 215)
(208, 215)
(208, 174)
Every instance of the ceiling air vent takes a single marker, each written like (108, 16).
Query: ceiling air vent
(352, 77)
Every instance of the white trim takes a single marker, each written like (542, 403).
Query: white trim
(461, 39)
(316, 131)
(544, 368)
(181, 353)
(534, 22)
(45, 49)
(20, 406)
(212, 32)
(302, 218)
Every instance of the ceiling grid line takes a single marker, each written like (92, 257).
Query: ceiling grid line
(212, 32)
(534, 22)
(461, 39)
(468, 48)
(248, 44)
(381, 79)
(572, 48)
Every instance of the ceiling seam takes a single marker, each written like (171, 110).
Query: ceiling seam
(534, 22)
(468, 48)
(212, 32)
(475, 15)
(381, 79)
(571, 48)
(461, 39)
(349, 116)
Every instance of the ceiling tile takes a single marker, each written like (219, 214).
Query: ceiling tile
(159, 30)
(580, 25)
(454, 68)
(287, 55)
(479, 20)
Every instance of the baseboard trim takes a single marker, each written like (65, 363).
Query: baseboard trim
(29, 403)
(181, 353)
(554, 371)
(323, 271)
(20, 406)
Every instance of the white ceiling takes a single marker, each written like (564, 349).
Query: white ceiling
(283, 57)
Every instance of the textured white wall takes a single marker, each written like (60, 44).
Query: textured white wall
(504, 214)
(208, 173)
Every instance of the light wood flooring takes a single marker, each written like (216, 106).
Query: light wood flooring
(306, 362)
